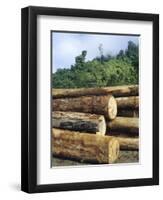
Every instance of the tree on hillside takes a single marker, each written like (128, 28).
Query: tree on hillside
(100, 48)
(132, 52)
(121, 54)
(79, 60)
(121, 69)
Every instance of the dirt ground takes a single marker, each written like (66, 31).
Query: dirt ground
(124, 157)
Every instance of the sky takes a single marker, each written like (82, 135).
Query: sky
(66, 46)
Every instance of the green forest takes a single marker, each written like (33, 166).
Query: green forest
(104, 70)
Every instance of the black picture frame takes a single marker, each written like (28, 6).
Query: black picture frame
(29, 99)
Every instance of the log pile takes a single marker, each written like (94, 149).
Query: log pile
(93, 124)
(126, 125)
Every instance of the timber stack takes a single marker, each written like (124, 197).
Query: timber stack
(93, 124)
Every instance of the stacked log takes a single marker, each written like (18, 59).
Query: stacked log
(128, 106)
(91, 124)
(103, 105)
(116, 91)
(76, 121)
(84, 147)
(126, 131)
(128, 125)
(128, 113)
(128, 143)
(128, 102)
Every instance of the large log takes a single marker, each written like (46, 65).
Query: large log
(128, 102)
(117, 91)
(128, 112)
(103, 105)
(127, 143)
(84, 147)
(83, 122)
(128, 125)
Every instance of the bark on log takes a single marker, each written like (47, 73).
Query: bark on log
(128, 113)
(84, 147)
(128, 125)
(117, 91)
(128, 102)
(103, 105)
(83, 122)
(127, 143)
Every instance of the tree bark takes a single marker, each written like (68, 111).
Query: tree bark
(128, 102)
(128, 113)
(127, 143)
(129, 125)
(117, 91)
(84, 147)
(83, 122)
(103, 105)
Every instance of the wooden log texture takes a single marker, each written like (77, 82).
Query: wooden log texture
(127, 143)
(84, 147)
(117, 91)
(128, 112)
(103, 105)
(128, 125)
(83, 122)
(128, 102)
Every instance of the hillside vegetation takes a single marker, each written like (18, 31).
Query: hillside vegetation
(121, 69)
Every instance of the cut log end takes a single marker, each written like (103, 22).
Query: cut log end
(113, 147)
(112, 108)
(102, 125)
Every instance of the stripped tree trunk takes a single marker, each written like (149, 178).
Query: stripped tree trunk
(128, 102)
(128, 113)
(83, 122)
(84, 147)
(103, 105)
(117, 91)
(128, 125)
(127, 143)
